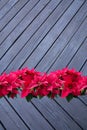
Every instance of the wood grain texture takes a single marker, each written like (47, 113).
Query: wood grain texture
(16, 20)
(32, 43)
(12, 13)
(48, 41)
(2, 126)
(71, 48)
(9, 118)
(47, 35)
(63, 40)
(30, 115)
(2, 3)
(7, 7)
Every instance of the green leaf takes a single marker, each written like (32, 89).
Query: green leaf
(49, 95)
(29, 97)
(39, 97)
(83, 92)
(69, 97)
(0, 97)
(9, 95)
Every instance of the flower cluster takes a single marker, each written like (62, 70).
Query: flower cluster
(30, 83)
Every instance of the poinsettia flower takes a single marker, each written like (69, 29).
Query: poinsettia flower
(31, 83)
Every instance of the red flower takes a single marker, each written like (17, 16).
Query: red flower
(63, 82)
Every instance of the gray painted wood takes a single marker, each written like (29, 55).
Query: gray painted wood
(61, 62)
(2, 126)
(63, 40)
(30, 115)
(16, 45)
(12, 13)
(9, 118)
(71, 48)
(78, 61)
(7, 7)
(74, 108)
(79, 57)
(33, 42)
(60, 43)
(2, 3)
(84, 69)
(48, 41)
(21, 42)
(55, 114)
(22, 27)
(39, 45)
(17, 19)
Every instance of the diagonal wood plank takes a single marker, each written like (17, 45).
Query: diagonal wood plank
(71, 48)
(82, 57)
(22, 27)
(36, 39)
(2, 126)
(69, 108)
(62, 40)
(7, 8)
(2, 3)
(30, 115)
(42, 46)
(9, 118)
(61, 62)
(21, 41)
(17, 19)
(12, 13)
(84, 69)
(55, 114)
(60, 126)
(74, 108)
(48, 41)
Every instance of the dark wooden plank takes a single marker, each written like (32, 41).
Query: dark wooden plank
(9, 118)
(71, 48)
(17, 19)
(30, 115)
(48, 41)
(7, 7)
(2, 3)
(12, 13)
(22, 40)
(63, 40)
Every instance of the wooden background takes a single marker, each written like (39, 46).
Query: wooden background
(46, 35)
